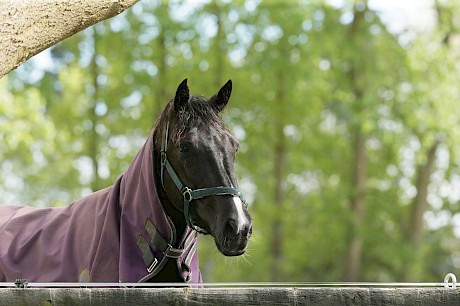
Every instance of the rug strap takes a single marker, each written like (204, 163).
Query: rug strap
(157, 240)
(147, 256)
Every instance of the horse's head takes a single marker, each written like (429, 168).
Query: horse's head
(197, 172)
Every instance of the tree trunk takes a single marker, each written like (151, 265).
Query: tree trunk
(357, 203)
(356, 76)
(280, 162)
(419, 204)
(418, 207)
(160, 93)
(30, 26)
(92, 101)
(219, 50)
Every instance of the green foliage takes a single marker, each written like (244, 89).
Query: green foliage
(305, 78)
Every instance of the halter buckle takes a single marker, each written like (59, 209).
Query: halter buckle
(188, 194)
(163, 157)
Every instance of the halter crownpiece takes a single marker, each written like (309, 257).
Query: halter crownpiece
(192, 194)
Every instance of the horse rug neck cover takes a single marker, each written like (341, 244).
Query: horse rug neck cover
(118, 234)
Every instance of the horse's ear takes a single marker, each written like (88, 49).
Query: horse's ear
(220, 100)
(182, 96)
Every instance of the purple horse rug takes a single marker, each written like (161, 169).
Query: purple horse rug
(118, 234)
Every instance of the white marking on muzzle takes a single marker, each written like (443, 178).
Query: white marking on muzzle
(241, 217)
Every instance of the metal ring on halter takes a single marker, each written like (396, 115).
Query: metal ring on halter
(450, 276)
(187, 194)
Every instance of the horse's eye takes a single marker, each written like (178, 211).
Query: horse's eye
(184, 147)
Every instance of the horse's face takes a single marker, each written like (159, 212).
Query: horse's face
(202, 152)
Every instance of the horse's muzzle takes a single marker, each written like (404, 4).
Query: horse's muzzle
(234, 241)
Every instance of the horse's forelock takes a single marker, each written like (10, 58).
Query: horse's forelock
(197, 112)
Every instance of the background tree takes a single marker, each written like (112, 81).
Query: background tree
(347, 128)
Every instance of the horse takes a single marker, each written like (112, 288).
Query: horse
(144, 227)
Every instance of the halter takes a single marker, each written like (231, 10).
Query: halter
(192, 194)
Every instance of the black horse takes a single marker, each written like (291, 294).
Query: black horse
(144, 227)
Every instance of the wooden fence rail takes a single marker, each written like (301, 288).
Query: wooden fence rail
(229, 296)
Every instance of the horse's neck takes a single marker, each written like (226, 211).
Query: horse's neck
(176, 216)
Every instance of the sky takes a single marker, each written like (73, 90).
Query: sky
(403, 17)
(415, 15)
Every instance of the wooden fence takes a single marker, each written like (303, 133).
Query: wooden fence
(229, 296)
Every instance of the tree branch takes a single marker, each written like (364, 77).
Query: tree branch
(30, 26)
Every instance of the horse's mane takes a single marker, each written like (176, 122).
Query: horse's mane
(198, 111)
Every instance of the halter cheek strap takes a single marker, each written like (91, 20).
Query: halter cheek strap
(163, 156)
(189, 194)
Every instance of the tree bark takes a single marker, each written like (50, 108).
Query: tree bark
(30, 26)
(92, 101)
(160, 93)
(219, 52)
(418, 207)
(356, 75)
(357, 203)
(280, 164)
(419, 204)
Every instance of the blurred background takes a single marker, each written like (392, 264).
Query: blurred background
(347, 112)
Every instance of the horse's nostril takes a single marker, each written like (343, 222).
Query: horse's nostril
(246, 231)
(232, 227)
(249, 232)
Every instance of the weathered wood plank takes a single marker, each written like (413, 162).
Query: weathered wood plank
(230, 296)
